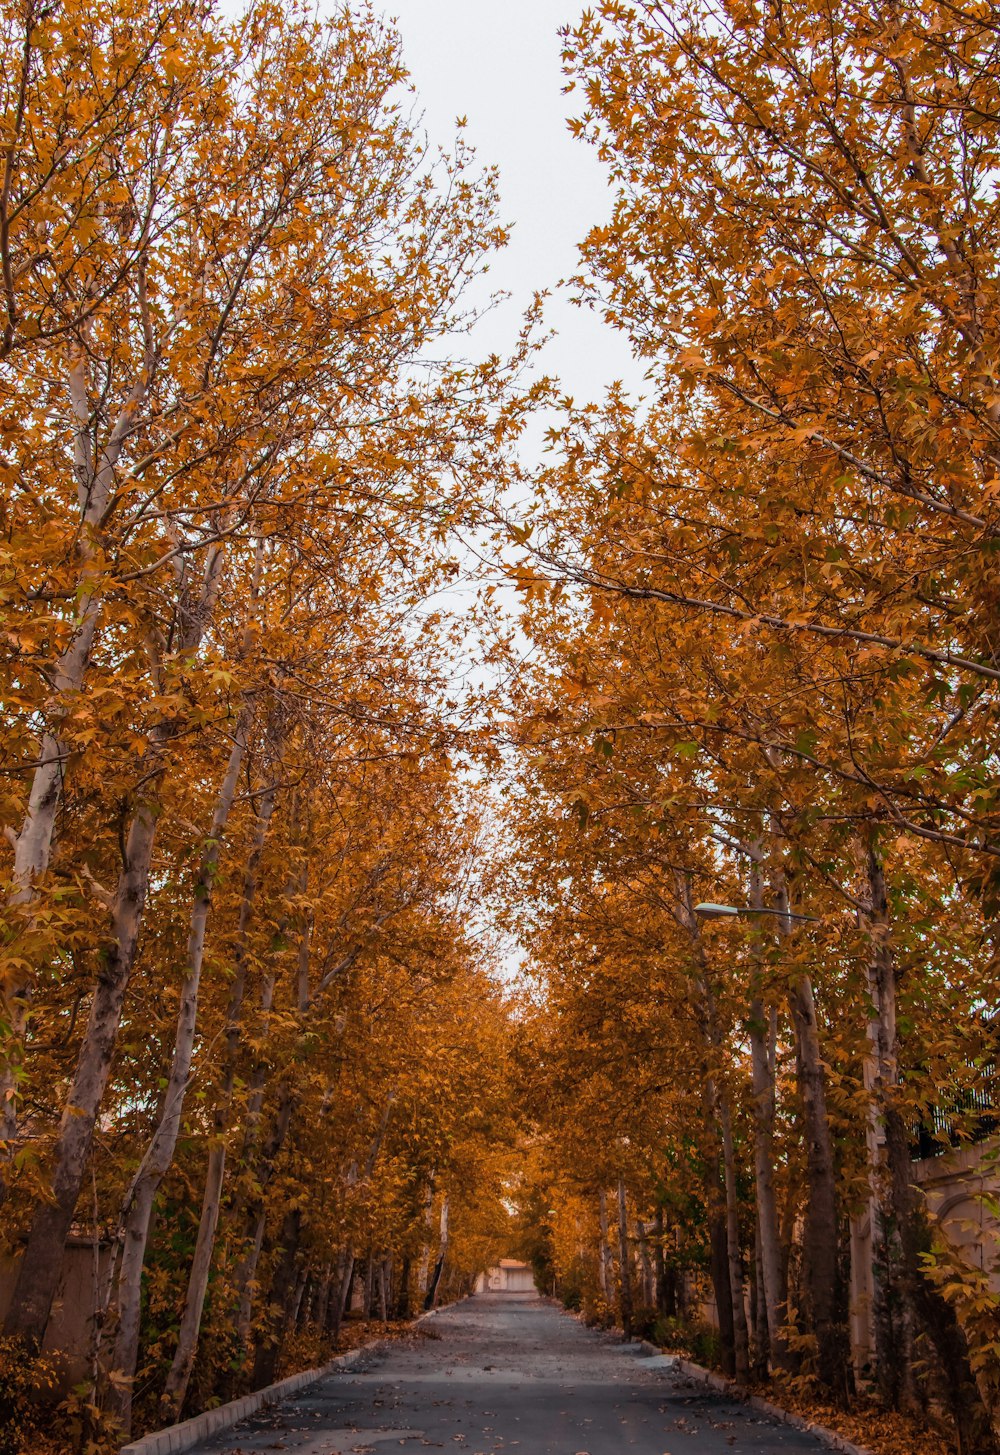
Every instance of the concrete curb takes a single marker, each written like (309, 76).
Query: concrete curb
(734, 1391)
(177, 1438)
(181, 1437)
(645, 1349)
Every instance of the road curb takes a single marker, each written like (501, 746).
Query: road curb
(830, 1438)
(734, 1391)
(177, 1438)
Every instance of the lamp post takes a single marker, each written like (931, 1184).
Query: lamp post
(725, 911)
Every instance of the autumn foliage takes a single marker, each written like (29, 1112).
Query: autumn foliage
(259, 1074)
(251, 1057)
(762, 606)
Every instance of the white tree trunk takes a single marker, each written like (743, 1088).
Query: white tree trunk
(137, 1213)
(41, 1266)
(95, 472)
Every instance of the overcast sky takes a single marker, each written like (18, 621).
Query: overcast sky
(497, 62)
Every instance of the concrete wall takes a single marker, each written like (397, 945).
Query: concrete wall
(70, 1331)
(953, 1185)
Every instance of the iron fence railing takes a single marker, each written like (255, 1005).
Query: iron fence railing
(970, 1115)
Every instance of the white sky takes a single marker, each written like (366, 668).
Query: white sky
(497, 62)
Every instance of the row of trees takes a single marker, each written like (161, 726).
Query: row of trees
(763, 608)
(249, 1051)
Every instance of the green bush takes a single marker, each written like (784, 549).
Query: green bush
(645, 1323)
(572, 1298)
(698, 1340)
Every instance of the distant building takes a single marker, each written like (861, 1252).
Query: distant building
(509, 1276)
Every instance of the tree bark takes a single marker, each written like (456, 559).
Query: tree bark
(94, 467)
(41, 1266)
(322, 1304)
(820, 1243)
(893, 1305)
(718, 1247)
(646, 1266)
(175, 1389)
(247, 1269)
(432, 1291)
(603, 1251)
(666, 1274)
(904, 1297)
(424, 1268)
(741, 1338)
(344, 1289)
(763, 1039)
(625, 1262)
(160, 1154)
(384, 1282)
(283, 1287)
(721, 1115)
(758, 1310)
(403, 1298)
(179, 1375)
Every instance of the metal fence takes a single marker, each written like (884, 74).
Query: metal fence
(970, 1115)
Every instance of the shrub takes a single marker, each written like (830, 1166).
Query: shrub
(24, 1380)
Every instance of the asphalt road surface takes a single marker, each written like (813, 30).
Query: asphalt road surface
(509, 1373)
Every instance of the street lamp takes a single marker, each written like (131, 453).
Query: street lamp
(724, 911)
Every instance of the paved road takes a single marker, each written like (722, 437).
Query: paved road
(509, 1374)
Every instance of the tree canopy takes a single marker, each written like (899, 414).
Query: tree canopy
(725, 777)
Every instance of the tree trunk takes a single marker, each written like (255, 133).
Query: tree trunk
(719, 1267)
(625, 1262)
(758, 1310)
(382, 1289)
(160, 1155)
(904, 1297)
(648, 1282)
(94, 466)
(666, 1274)
(423, 1274)
(403, 1299)
(322, 1304)
(820, 1242)
(41, 1266)
(179, 1375)
(175, 1389)
(253, 1239)
(280, 1301)
(603, 1271)
(432, 1292)
(721, 1116)
(741, 1339)
(762, 1051)
(763, 1041)
(893, 1306)
(294, 1312)
(344, 1289)
(32, 851)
